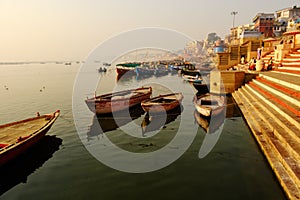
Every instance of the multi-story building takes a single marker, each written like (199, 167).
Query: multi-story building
(287, 13)
(264, 23)
(284, 18)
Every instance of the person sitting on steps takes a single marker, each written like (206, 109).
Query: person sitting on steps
(270, 64)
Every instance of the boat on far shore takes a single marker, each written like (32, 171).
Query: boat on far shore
(192, 79)
(17, 137)
(118, 101)
(162, 103)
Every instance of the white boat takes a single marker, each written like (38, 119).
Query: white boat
(209, 104)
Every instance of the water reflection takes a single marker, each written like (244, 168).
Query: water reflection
(20, 168)
(209, 125)
(111, 122)
(212, 124)
(158, 121)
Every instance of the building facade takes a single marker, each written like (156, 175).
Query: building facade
(264, 23)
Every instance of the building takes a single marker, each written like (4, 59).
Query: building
(287, 13)
(264, 23)
(286, 20)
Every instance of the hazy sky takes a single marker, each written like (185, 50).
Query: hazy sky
(70, 29)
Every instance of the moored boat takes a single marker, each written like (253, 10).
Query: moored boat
(17, 137)
(144, 71)
(190, 69)
(192, 79)
(126, 68)
(162, 103)
(209, 104)
(118, 101)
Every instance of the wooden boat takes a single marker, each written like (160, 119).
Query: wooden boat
(102, 69)
(118, 101)
(144, 71)
(17, 137)
(190, 69)
(162, 103)
(126, 68)
(209, 104)
(192, 79)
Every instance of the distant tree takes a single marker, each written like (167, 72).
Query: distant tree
(212, 37)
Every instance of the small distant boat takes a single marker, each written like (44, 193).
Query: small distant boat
(144, 71)
(118, 101)
(190, 69)
(209, 104)
(162, 103)
(176, 67)
(161, 71)
(102, 69)
(106, 64)
(192, 79)
(17, 137)
(68, 63)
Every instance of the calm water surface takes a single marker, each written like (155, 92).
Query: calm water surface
(61, 167)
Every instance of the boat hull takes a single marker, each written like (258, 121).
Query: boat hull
(123, 71)
(12, 151)
(208, 109)
(153, 107)
(102, 106)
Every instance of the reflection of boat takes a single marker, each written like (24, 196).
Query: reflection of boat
(17, 137)
(210, 125)
(118, 101)
(162, 103)
(155, 122)
(17, 170)
(111, 122)
(126, 68)
(209, 104)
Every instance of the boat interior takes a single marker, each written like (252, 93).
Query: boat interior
(16, 132)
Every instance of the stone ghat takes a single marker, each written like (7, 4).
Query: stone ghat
(270, 103)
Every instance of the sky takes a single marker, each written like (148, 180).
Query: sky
(35, 30)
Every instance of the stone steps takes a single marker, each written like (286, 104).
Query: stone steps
(271, 106)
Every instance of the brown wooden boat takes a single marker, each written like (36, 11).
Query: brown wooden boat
(209, 104)
(126, 68)
(17, 137)
(162, 103)
(118, 101)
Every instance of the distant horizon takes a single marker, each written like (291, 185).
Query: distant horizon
(70, 30)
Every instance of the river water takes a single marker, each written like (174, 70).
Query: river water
(63, 166)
